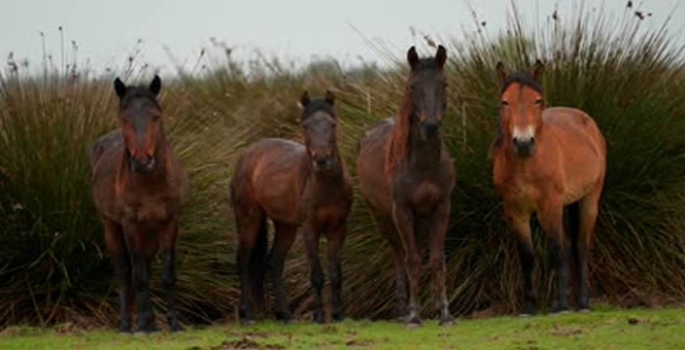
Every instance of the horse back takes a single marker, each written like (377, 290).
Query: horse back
(580, 155)
(576, 128)
(269, 177)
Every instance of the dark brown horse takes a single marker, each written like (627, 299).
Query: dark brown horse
(552, 162)
(293, 185)
(138, 189)
(406, 177)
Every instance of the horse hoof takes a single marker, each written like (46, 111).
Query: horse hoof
(413, 322)
(338, 317)
(584, 310)
(144, 333)
(284, 317)
(318, 317)
(560, 312)
(446, 323)
(247, 323)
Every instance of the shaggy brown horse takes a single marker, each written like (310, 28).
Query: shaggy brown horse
(406, 177)
(552, 162)
(294, 185)
(138, 189)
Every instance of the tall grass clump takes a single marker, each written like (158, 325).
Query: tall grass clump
(626, 75)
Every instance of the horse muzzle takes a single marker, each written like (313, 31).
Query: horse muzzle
(143, 167)
(524, 146)
(322, 163)
(429, 129)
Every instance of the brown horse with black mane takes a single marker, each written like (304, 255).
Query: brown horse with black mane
(406, 177)
(294, 185)
(552, 162)
(138, 189)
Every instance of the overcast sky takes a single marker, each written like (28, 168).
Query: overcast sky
(107, 31)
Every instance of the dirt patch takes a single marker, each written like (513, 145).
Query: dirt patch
(566, 331)
(245, 343)
(358, 343)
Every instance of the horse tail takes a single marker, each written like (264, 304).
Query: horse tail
(258, 264)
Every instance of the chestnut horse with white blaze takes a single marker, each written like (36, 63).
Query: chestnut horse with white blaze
(295, 186)
(551, 162)
(139, 186)
(406, 177)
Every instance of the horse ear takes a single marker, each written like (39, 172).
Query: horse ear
(538, 68)
(119, 87)
(330, 98)
(502, 72)
(412, 58)
(441, 56)
(304, 99)
(156, 85)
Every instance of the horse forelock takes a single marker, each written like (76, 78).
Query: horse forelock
(522, 78)
(316, 106)
(137, 93)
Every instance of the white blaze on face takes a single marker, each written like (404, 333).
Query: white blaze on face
(523, 133)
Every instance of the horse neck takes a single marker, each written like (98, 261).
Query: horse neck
(424, 154)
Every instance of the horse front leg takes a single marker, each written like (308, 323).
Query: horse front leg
(142, 250)
(121, 261)
(404, 220)
(335, 246)
(519, 223)
(169, 242)
(311, 237)
(551, 220)
(437, 232)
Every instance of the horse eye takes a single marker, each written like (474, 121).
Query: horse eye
(538, 102)
(505, 103)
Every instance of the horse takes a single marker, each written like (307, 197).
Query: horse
(406, 177)
(138, 189)
(551, 162)
(295, 186)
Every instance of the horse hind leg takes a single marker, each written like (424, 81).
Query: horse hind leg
(586, 220)
(249, 227)
(387, 229)
(283, 241)
(168, 243)
(258, 265)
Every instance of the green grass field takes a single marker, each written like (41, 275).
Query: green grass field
(603, 329)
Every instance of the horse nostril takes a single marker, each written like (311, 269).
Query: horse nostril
(431, 127)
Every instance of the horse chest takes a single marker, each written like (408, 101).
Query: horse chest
(425, 196)
(517, 191)
(147, 210)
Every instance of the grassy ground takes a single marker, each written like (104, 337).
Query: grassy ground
(602, 329)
